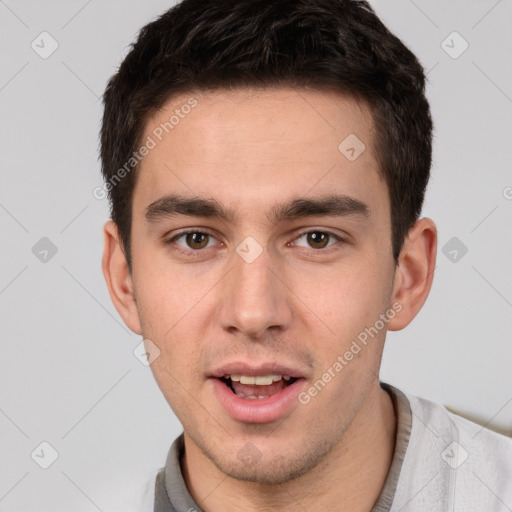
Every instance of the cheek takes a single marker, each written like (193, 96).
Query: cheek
(346, 296)
(168, 294)
(172, 302)
(351, 300)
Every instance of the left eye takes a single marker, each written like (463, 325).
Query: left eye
(318, 239)
(194, 240)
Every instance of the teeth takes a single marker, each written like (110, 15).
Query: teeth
(263, 380)
(260, 380)
(252, 397)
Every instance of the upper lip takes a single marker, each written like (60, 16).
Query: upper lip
(240, 368)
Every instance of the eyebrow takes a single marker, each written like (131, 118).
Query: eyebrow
(331, 205)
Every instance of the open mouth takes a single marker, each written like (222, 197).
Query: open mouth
(257, 395)
(257, 387)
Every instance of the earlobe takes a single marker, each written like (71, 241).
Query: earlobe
(415, 272)
(118, 278)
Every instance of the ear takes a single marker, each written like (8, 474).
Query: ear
(118, 277)
(414, 273)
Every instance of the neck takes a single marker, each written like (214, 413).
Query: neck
(349, 478)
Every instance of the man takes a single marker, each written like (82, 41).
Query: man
(266, 164)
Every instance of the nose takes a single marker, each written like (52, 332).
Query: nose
(255, 298)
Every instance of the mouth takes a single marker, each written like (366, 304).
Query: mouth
(257, 387)
(257, 395)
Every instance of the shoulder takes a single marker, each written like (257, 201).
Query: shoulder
(454, 463)
(480, 441)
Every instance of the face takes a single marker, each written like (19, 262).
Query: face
(261, 252)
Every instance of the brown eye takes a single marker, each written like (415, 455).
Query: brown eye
(317, 239)
(197, 240)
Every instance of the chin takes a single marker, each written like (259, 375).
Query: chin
(271, 467)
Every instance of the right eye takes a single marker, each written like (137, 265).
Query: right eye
(191, 241)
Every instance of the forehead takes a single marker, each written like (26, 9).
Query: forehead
(255, 146)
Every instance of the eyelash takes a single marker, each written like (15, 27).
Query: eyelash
(197, 252)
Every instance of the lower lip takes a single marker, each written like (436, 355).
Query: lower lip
(260, 410)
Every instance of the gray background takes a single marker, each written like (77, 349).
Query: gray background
(67, 369)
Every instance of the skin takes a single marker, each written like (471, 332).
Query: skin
(296, 303)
